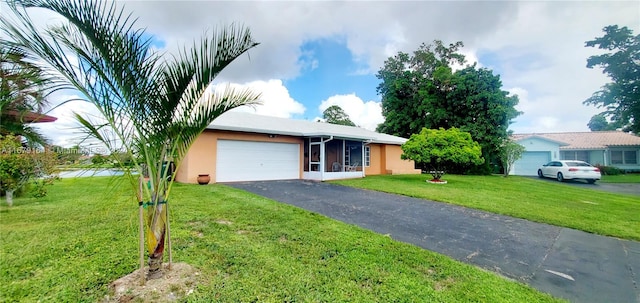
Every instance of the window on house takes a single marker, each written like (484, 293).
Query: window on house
(616, 157)
(367, 156)
(630, 157)
(581, 155)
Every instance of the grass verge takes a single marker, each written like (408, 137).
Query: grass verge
(68, 246)
(627, 178)
(528, 198)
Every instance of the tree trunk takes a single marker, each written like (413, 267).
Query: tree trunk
(156, 239)
(9, 194)
(155, 262)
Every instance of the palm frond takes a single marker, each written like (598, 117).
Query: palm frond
(154, 108)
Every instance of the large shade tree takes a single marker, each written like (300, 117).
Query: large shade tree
(152, 106)
(621, 97)
(422, 90)
(599, 123)
(334, 114)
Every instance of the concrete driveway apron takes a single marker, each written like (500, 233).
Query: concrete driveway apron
(566, 263)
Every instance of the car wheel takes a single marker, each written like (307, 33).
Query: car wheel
(560, 177)
(591, 181)
(540, 173)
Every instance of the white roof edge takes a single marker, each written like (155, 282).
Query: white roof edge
(254, 130)
(528, 136)
(246, 122)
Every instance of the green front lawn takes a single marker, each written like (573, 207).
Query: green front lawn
(627, 178)
(68, 246)
(528, 198)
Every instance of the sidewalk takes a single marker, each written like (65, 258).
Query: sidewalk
(566, 263)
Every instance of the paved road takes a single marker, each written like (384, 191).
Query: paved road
(566, 263)
(619, 188)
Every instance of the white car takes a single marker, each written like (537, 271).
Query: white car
(570, 169)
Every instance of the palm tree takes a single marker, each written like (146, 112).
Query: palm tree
(152, 106)
(23, 92)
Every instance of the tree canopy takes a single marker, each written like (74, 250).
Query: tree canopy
(621, 97)
(334, 114)
(20, 165)
(422, 90)
(437, 150)
(599, 123)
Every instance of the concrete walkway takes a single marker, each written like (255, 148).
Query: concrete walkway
(566, 263)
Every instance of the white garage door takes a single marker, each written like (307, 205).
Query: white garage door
(255, 161)
(530, 162)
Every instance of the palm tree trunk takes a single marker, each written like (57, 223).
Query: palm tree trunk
(156, 238)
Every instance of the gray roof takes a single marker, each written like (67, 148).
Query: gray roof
(246, 122)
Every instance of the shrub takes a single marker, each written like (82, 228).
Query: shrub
(610, 170)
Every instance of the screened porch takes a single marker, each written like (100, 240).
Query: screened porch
(329, 158)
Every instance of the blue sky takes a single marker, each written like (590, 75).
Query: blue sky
(329, 69)
(314, 54)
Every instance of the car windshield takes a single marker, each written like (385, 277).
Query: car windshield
(578, 164)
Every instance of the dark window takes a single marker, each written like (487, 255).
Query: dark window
(367, 156)
(581, 155)
(616, 157)
(630, 157)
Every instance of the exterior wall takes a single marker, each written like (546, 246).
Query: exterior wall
(201, 158)
(376, 160)
(394, 163)
(596, 157)
(537, 144)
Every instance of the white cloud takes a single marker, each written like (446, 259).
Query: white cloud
(364, 114)
(538, 46)
(275, 100)
(65, 131)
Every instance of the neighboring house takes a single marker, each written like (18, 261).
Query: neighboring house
(248, 147)
(608, 148)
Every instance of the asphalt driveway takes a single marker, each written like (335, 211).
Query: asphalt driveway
(566, 263)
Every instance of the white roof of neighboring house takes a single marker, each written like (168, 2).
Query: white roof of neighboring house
(587, 140)
(520, 137)
(246, 122)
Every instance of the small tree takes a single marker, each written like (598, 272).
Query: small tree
(509, 153)
(98, 159)
(436, 150)
(19, 165)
